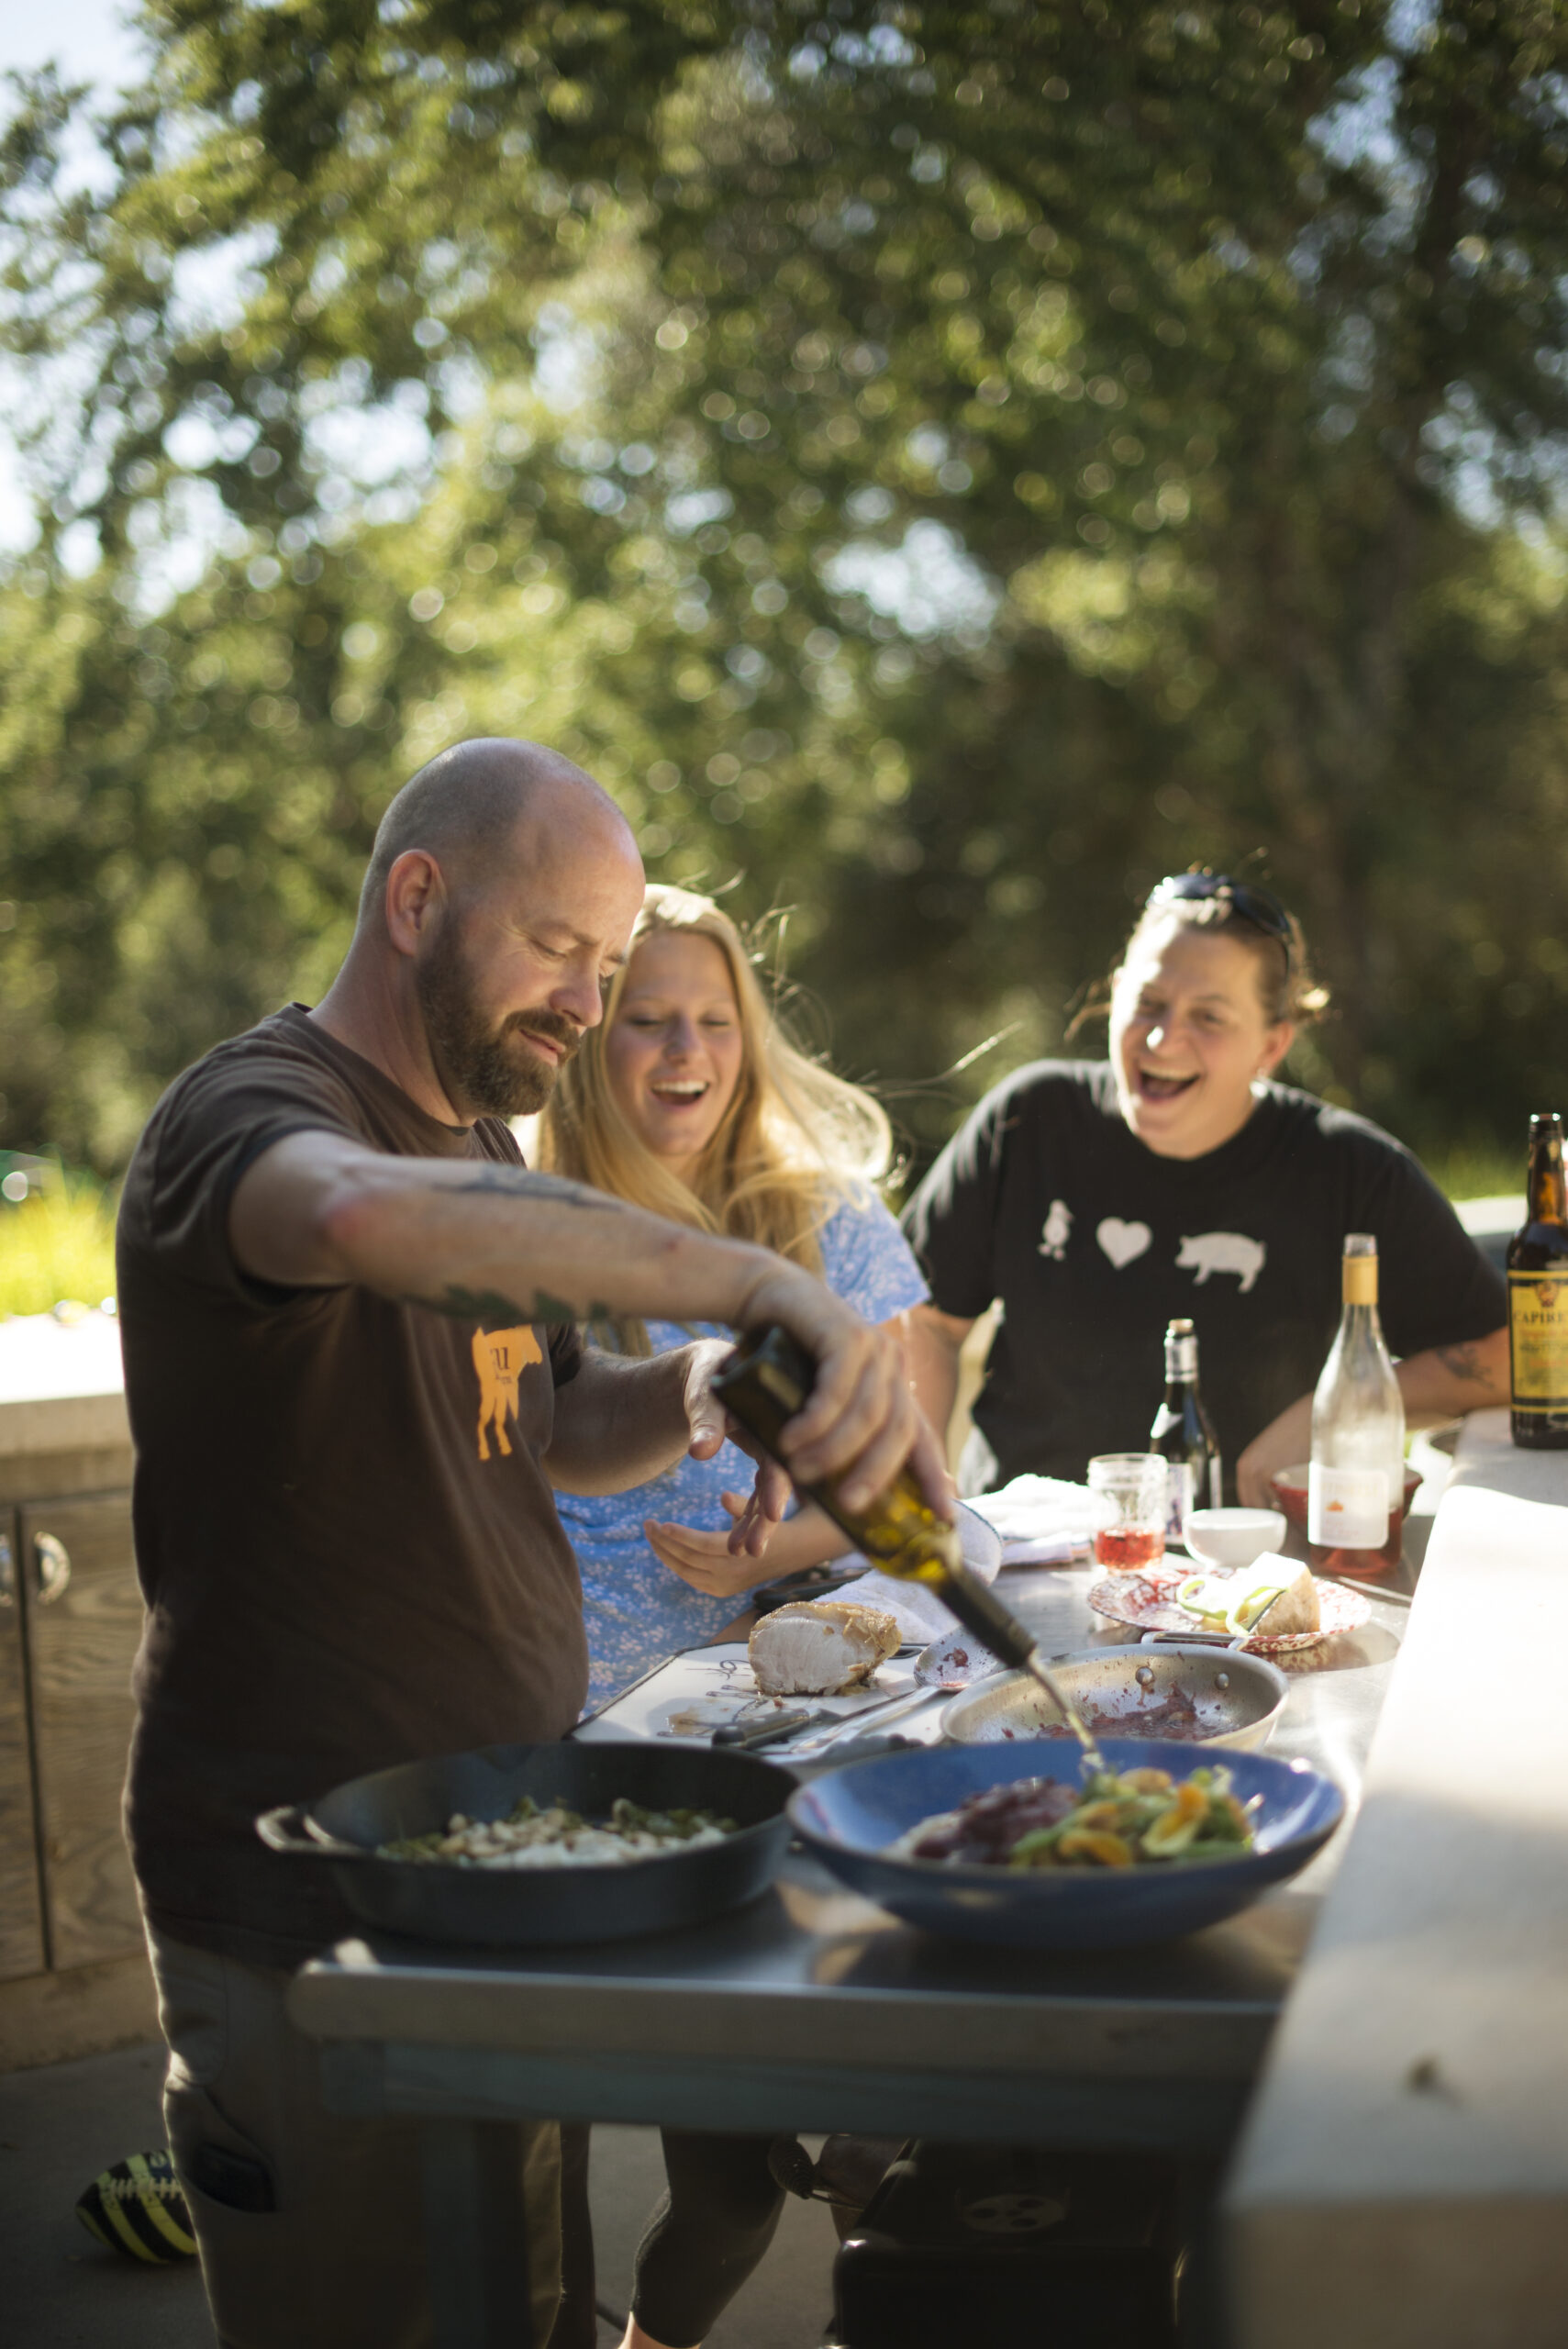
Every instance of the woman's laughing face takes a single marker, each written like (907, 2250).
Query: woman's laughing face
(1190, 1033)
(674, 1050)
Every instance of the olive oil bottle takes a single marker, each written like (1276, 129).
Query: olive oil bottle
(764, 1384)
(1538, 1299)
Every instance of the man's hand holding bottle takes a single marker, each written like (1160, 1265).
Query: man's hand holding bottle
(860, 1423)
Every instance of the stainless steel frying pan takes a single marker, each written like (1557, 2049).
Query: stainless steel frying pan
(1237, 1697)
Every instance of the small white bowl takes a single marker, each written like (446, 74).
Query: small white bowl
(1234, 1537)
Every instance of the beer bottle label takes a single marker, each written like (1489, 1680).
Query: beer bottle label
(1538, 1336)
(1347, 1508)
(1180, 1499)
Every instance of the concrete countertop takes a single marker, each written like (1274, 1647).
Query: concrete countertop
(61, 1386)
(1403, 2179)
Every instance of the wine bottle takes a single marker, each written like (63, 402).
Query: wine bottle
(1538, 1299)
(1182, 1434)
(1355, 1486)
(765, 1384)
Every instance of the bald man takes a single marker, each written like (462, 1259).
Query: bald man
(350, 1316)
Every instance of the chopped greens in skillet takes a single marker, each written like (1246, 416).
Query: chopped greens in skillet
(529, 1837)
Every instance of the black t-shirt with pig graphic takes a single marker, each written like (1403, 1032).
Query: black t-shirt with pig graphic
(1045, 1201)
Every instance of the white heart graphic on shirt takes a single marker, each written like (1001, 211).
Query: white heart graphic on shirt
(1122, 1241)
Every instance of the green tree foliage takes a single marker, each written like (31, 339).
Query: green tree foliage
(943, 465)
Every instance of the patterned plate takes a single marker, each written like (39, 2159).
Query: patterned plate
(1146, 1601)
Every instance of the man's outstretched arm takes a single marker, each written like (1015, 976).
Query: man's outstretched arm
(621, 1421)
(485, 1241)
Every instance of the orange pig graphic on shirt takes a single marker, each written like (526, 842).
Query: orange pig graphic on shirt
(500, 1357)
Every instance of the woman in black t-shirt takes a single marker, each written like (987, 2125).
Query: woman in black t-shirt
(1096, 1200)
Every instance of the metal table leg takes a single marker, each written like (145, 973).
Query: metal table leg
(476, 2249)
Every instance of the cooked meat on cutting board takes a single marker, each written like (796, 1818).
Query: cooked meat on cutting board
(819, 1647)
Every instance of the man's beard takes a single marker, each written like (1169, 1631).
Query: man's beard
(492, 1077)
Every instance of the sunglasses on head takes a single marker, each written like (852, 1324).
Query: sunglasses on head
(1260, 906)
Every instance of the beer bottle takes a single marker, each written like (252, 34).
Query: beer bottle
(1538, 1299)
(1182, 1434)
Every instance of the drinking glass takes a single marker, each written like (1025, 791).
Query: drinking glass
(1131, 1487)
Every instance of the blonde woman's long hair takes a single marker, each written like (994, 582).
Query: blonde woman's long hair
(795, 1144)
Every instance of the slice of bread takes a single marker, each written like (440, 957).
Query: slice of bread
(1272, 1597)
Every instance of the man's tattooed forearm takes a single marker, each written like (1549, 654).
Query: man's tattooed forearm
(1462, 1362)
(522, 1183)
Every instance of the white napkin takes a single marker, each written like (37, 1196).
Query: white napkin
(1043, 1520)
(919, 1613)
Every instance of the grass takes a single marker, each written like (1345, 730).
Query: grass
(58, 1246)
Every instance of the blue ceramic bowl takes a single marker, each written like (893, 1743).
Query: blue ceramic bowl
(850, 1816)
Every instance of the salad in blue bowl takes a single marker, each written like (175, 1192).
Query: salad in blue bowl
(964, 1840)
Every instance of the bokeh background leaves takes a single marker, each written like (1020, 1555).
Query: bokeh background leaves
(943, 467)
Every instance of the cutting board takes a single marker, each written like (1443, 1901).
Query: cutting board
(692, 1694)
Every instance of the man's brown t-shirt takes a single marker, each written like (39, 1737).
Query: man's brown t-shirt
(346, 1540)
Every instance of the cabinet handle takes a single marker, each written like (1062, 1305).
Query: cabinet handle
(8, 1573)
(53, 1566)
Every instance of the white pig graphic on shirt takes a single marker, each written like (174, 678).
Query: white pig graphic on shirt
(1222, 1251)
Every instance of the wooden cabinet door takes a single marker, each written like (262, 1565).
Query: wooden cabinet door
(21, 1905)
(84, 1614)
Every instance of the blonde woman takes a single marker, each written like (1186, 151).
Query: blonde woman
(689, 1099)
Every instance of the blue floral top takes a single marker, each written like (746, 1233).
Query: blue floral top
(636, 1611)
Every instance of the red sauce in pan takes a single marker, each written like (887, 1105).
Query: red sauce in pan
(1177, 1718)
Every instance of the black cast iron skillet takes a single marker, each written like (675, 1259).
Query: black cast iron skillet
(501, 1906)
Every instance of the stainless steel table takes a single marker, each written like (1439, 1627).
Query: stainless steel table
(811, 2010)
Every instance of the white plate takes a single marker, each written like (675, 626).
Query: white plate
(714, 1685)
